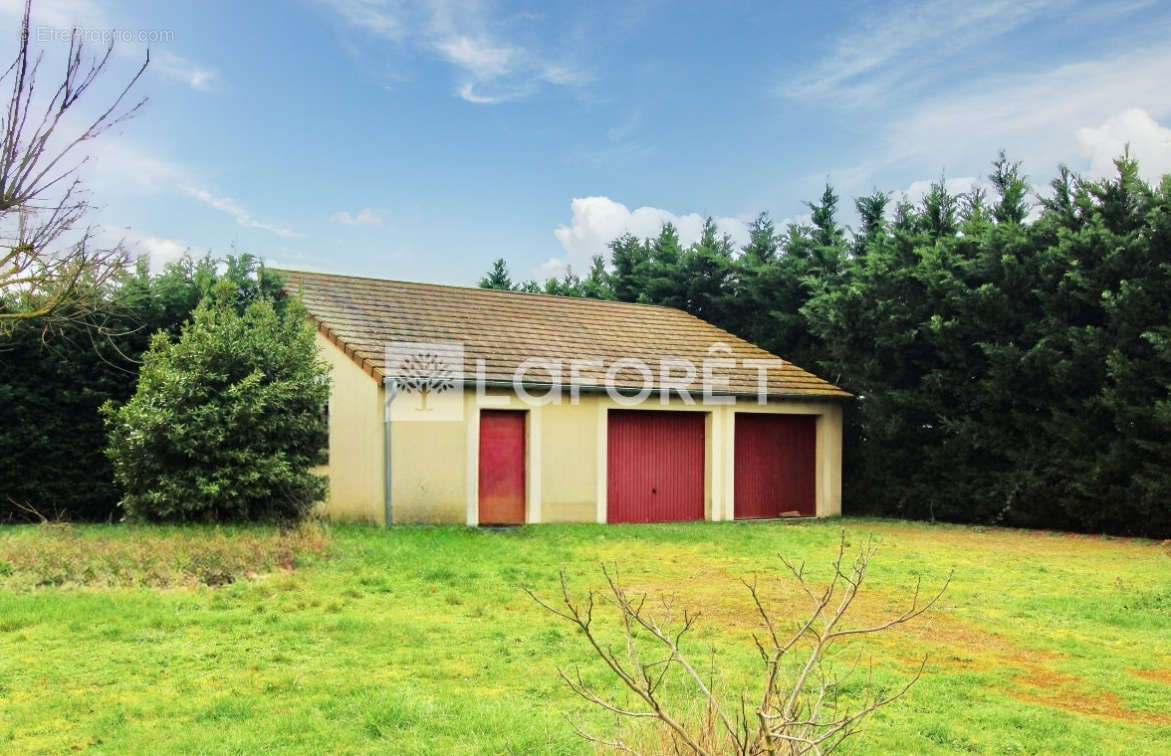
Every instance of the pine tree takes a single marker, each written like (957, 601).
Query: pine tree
(597, 284)
(938, 216)
(762, 245)
(568, 285)
(872, 211)
(708, 276)
(665, 284)
(1012, 188)
(631, 258)
(828, 236)
(498, 277)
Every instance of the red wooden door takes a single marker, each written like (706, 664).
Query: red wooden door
(502, 467)
(655, 466)
(774, 465)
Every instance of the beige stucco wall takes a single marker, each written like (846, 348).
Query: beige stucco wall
(428, 459)
(569, 461)
(428, 464)
(355, 440)
(435, 462)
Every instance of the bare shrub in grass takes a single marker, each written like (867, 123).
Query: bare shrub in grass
(799, 708)
(58, 554)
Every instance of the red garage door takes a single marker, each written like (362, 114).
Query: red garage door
(774, 465)
(502, 467)
(655, 466)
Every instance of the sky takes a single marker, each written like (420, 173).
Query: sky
(421, 140)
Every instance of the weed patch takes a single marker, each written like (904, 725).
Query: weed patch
(56, 554)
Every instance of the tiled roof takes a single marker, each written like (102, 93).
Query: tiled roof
(362, 315)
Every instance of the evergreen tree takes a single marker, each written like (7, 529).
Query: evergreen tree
(228, 422)
(707, 273)
(872, 212)
(776, 291)
(938, 215)
(762, 245)
(828, 236)
(498, 277)
(52, 437)
(568, 285)
(1012, 189)
(665, 284)
(974, 211)
(597, 284)
(631, 258)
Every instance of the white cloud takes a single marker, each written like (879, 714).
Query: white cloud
(472, 92)
(890, 49)
(239, 214)
(480, 57)
(364, 217)
(491, 68)
(597, 221)
(497, 72)
(554, 267)
(1040, 118)
(1149, 143)
(563, 75)
(176, 67)
(955, 186)
(375, 17)
(158, 250)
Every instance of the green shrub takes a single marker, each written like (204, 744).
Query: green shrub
(53, 380)
(226, 423)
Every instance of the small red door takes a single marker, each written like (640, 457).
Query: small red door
(774, 465)
(655, 466)
(502, 467)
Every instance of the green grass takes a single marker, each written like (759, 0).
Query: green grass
(418, 640)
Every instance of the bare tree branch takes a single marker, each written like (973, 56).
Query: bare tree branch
(800, 710)
(42, 201)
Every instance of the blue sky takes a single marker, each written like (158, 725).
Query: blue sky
(421, 140)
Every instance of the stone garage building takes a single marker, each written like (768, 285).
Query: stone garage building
(507, 407)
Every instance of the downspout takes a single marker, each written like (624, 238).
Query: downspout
(391, 387)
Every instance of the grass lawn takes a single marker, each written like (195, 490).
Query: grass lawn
(419, 640)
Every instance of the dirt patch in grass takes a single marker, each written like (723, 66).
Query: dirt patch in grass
(1049, 687)
(1154, 675)
(57, 554)
(1012, 540)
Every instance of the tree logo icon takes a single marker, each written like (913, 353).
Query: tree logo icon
(426, 373)
(429, 377)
